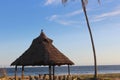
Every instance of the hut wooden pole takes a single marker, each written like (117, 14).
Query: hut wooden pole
(53, 72)
(68, 69)
(15, 72)
(22, 73)
(50, 72)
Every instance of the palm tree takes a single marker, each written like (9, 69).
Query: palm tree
(84, 2)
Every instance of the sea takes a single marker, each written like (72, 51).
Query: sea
(62, 70)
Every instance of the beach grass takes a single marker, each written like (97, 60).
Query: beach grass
(113, 76)
(3, 74)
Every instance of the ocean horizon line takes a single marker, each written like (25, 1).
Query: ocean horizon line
(64, 70)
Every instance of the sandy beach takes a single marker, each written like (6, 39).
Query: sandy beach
(112, 76)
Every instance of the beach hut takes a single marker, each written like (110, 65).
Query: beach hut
(42, 53)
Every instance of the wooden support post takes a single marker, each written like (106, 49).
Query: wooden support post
(22, 73)
(53, 72)
(68, 69)
(50, 72)
(16, 72)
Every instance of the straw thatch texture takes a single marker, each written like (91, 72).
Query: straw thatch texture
(42, 52)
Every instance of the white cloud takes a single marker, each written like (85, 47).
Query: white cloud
(66, 18)
(107, 15)
(67, 15)
(63, 22)
(68, 22)
(53, 17)
(50, 2)
(97, 20)
(74, 13)
(110, 14)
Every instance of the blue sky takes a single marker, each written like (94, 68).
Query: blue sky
(22, 20)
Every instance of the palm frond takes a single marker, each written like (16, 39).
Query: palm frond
(99, 1)
(64, 1)
(85, 2)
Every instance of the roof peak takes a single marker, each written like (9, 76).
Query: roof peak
(41, 30)
(42, 33)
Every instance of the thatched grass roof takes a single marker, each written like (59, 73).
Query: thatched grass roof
(42, 52)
